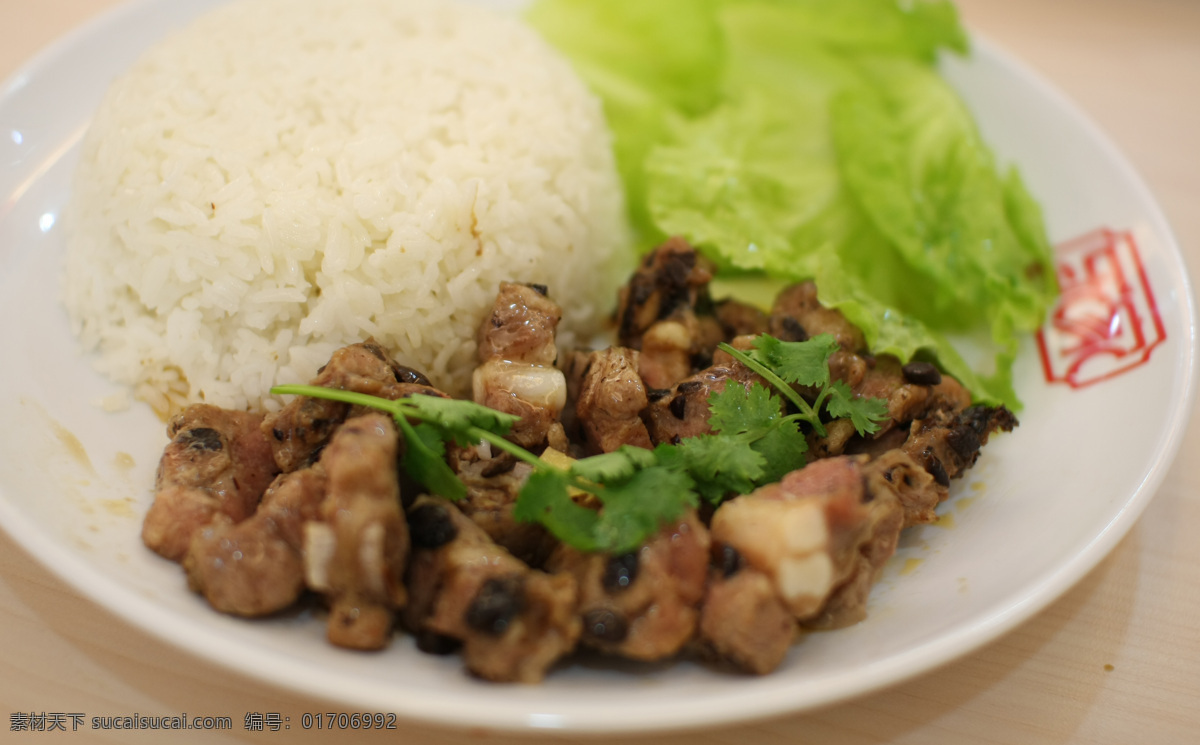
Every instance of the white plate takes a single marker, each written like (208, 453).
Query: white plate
(1041, 508)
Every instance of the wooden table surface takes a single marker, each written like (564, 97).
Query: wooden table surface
(1133, 66)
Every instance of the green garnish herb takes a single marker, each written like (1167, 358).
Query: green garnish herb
(753, 442)
(807, 364)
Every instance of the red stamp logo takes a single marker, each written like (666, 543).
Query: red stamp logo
(1106, 321)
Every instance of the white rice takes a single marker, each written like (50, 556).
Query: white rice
(284, 177)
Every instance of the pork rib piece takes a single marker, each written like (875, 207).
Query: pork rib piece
(256, 567)
(743, 621)
(643, 605)
(809, 532)
(610, 401)
(517, 352)
(299, 430)
(666, 313)
(217, 463)
(512, 622)
(355, 553)
(682, 410)
(493, 482)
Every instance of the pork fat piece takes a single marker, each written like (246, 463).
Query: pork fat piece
(217, 463)
(355, 554)
(513, 622)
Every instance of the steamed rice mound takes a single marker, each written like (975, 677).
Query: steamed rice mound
(284, 177)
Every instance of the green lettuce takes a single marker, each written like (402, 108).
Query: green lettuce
(796, 139)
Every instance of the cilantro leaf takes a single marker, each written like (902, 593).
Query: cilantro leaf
(544, 499)
(720, 465)
(864, 413)
(783, 448)
(807, 363)
(752, 361)
(638, 493)
(458, 417)
(638, 497)
(425, 460)
(338, 394)
(669, 456)
(619, 464)
(801, 362)
(637, 508)
(737, 409)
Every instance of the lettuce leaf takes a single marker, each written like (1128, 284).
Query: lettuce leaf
(649, 62)
(798, 139)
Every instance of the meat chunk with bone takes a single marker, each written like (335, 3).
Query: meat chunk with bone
(798, 315)
(682, 411)
(299, 430)
(740, 319)
(643, 605)
(807, 532)
(883, 517)
(256, 567)
(743, 621)
(493, 482)
(947, 443)
(355, 553)
(911, 391)
(574, 363)
(218, 463)
(666, 313)
(610, 401)
(517, 352)
(513, 622)
(914, 487)
(932, 427)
